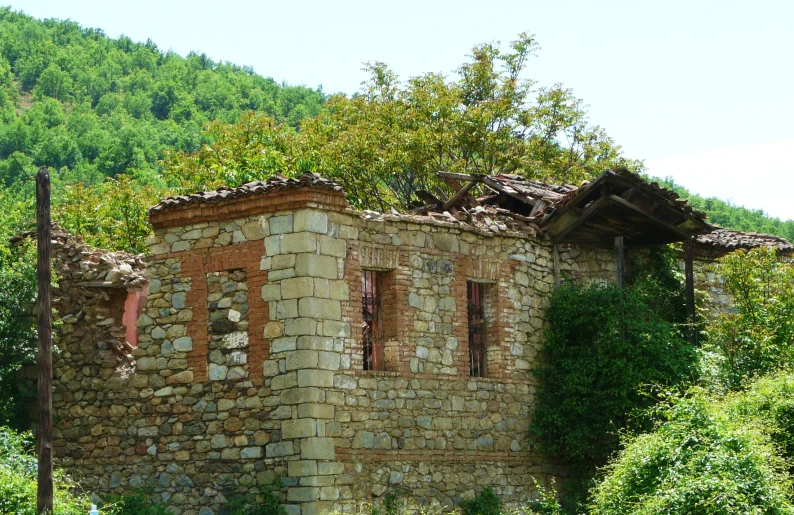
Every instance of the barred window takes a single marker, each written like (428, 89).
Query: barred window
(475, 294)
(372, 328)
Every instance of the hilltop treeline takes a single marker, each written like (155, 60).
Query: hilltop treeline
(90, 106)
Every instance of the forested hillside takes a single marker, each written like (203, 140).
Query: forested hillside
(731, 216)
(89, 106)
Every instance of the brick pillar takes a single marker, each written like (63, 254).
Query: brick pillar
(305, 290)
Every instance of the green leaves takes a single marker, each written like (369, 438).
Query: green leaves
(607, 354)
(758, 336)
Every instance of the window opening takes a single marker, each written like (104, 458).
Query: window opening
(476, 308)
(372, 329)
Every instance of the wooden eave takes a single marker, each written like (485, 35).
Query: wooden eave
(617, 206)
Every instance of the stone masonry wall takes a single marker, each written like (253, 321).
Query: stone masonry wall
(248, 371)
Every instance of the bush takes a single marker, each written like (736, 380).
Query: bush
(18, 480)
(699, 460)
(757, 338)
(484, 503)
(604, 344)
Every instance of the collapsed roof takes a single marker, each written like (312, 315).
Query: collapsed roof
(617, 203)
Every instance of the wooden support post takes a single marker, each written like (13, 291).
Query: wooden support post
(44, 276)
(619, 262)
(556, 255)
(689, 272)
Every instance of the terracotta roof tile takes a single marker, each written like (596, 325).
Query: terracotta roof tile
(272, 185)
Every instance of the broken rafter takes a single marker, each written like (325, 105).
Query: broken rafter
(457, 197)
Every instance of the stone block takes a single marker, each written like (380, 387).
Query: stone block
(253, 230)
(273, 245)
(301, 395)
(284, 344)
(284, 381)
(317, 448)
(217, 372)
(184, 377)
(300, 327)
(303, 494)
(286, 309)
(332, 246)
(317, 411)
(338, 290)
(302, 468)
(283, 261)
(274, 450)
(251, 453)
(364, 440)
(329, 360)
(302, 359)
(330, 469)
(308, 342)
(313, 221)
(280, 224)
(183, 344)
(321, 378)
(317, 508)
(178, 300)
(298, 242)
(336, 329)
(271, 292)
(297, 287)
(271, 330)
(313, 265)
(319, 308)
(298, 428)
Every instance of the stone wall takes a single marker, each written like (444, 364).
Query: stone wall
(249, 367)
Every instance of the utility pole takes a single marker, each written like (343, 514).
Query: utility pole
(44, 276)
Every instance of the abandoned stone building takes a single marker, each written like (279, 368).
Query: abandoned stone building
(286, 340)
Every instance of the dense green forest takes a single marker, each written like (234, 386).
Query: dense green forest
(726, 214)
(90, 106)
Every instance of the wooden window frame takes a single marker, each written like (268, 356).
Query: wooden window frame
(372, 336)
(478, 349)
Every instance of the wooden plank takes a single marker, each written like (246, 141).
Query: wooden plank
(459, 195)
(619, 262)
(44, 276)
(576, 221)
(689, 272)
(460, 176)
(648, 216)
(498, 186)
(556, 255)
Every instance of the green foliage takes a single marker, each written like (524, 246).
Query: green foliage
(484, 503)
(758, 336)
(137, 503)
(18, 480)
(389, 141)
(266, 503)
(726, 214)
(604, 347)
(700, 460)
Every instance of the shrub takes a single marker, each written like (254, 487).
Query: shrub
(757, 338)
(484, 503)
(604, 344)
(18, 480)
(699, 460)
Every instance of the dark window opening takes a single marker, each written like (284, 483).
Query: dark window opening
(372, 328)
(475, 294)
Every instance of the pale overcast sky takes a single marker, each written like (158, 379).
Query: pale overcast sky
(701, 90)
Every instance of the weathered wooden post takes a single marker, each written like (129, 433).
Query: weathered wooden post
(689, 272)
(44, 276)
(619, 263)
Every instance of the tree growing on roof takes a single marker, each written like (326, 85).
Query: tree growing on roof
(388, 142)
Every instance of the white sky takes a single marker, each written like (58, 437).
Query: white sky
(702, 90)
